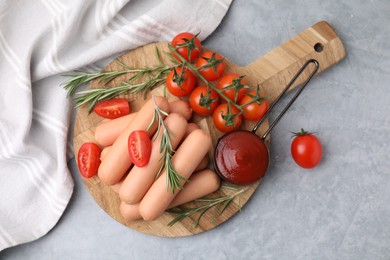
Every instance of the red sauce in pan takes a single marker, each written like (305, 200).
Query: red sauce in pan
(241, 157)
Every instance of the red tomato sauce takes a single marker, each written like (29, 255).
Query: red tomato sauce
(241, 157)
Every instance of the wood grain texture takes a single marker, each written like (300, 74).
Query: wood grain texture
(272, 71)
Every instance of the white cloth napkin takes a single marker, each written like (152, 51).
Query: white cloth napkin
(39, 40)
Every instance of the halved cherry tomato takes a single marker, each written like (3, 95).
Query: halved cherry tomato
(226, 118)
(113, 108)
(140, 147)
(202, 102)
(306, 149)
(234, 86)
(211, 65)
(187, 45)
(256, 110)
(88, 159)
(180, 82)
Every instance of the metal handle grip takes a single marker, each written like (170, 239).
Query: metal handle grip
(301, 70)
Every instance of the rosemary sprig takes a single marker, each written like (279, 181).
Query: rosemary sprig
(173, 178)
(222, 202)
(152, 77)
(94, 95)
(80, 78)
(97, 94)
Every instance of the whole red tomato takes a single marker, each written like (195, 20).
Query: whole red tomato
(140, 147)
(88, 159)
(233, 86)
(253, 110)
(226, 118)
(202, 102)
(306, 149)
(113, 108)
(187, 45)
(180, 82)
(210, 65)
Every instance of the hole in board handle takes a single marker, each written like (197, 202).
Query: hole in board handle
(318, 47)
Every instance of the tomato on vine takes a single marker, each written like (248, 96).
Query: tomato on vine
(210, 65)
(233, 86)
(306, 149)
(187, 45)
(203, 101)
(255, 106)
(180, 82)
(227, 118)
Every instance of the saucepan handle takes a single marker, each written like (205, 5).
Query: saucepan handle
(299, 91)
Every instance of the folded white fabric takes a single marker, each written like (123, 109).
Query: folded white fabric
(39, 40)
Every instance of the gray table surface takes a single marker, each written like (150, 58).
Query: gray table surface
(339, 210)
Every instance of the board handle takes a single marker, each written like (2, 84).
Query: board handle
(277, 67)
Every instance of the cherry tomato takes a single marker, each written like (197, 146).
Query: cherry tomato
(113, 108)
(234, 86)
(211, 65)
(180, 82)
(140, 147)
(306, 149)
(88, 159)
(187, 45)
(224, 121)
(201, 103)
(253, 111)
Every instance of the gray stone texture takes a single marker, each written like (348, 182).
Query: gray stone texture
(339, 210)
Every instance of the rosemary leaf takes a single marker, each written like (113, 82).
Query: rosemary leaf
(200, 215)
(208, 199)
(121, 64)
(171, 57)
(179, 217)
(225, 205)
(151, 123)
(157, 53)
(235, 188)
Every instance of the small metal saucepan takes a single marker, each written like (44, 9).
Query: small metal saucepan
(241, 156)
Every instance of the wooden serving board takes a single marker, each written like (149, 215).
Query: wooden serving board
(272, 71)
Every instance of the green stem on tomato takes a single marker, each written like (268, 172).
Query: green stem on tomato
(254, 100)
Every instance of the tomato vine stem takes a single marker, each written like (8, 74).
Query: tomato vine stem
(207, 83)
